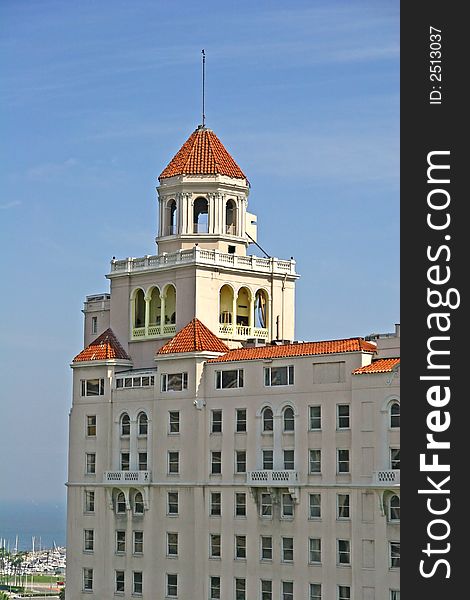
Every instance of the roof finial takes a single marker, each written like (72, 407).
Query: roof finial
(203, 85)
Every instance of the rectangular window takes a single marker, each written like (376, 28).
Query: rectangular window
(214, 588)
(143, 465)
(173, 462)
(279, 376)
(172, 585)
(173, 503)
(287, 549)
(91, 425)
(134, 382)
(287, 506)
(216, 504)
(240, 461)
(89, 501)
(343, 461)
(266, 547)
(395, 458)
(344, 552)
(344, 592)
(287, 590)
(268, 458)
(174, 382)
(266, 589)
(315, 417)
(92, 387)
(394, 594)
(343, 511)
(394, 555)
(216, 421)
(172, 544)
(216, 463)
(214, 545)
(120, 541)
(315, 591)
(240, 546)
(315, 461)
(240, 504)
(241, 420)
(229, 379)
(314, 506)
(90, 463)
(88, 540)
(120, 582)
(94, 325)
(88, 580)
(240, 589)
(314, 550)
(138, 542)
(137, 582)
(342, 416)
(289, 460)
(266, 505)
(174, 421)
(125, 461)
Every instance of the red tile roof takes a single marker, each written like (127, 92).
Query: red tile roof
(105, 347)
(194, 337)
(202, 154)
(382, 365)
(299, 349)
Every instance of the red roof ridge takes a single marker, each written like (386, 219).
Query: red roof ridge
(380, 365)
(105, 347)
(194, 337)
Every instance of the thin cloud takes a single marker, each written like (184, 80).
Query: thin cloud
(11, 204)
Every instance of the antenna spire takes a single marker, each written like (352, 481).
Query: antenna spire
(203, 86)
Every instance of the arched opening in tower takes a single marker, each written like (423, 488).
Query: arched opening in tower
(201, 216)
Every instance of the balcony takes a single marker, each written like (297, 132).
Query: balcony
(153, 331)
(266, 478)
(389, 478)
(242, 332)
(127, 477)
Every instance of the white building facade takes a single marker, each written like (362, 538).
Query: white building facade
(211, 456)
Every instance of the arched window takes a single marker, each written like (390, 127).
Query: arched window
(231, 217)
(143, 424)
(243, 307)
(138, 504)
(261, 309)
(226, 305)
(288, 418)
(172, 216)
(120, 503)
(170, 305)
(201, 216)
(394, 415)
(268, 422)
(394, 508)
(125, 424)
(155, 307)
(139, 309)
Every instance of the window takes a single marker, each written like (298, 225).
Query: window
(90, 463)
(343, 461)
(315, 417)
(268, 423)
(266, 589)
(287, 547)
(315, 461)
(394, 415)
(344, 552)
(314, 506)
(174, 382)
(240, 461)
(88, 540)
(314, 550)
(288, 419)
(214, 588)
(143, 465)
(229, 379)
(216, 504)
(138, 542)
(216, 425)
(343, 506)
(89, 501)
(342, 416)
(125, 425)
(174, 421)
(240, 546)
(240, 504)
(287, 506)
(92, 387)
(88, 580)
(395, 458)
(173, 503)
(266, 505)
(138, 504)
(171, 585)
(120, 503)
(137, 582)
(120, 541)
(134, 382)
(214, 545)
(394, 555)
(394, 594)
(394, 508)
(142, 424)
(287, 590)
(315, 591)
(91, 425)
(344, 592)
(201, 215)
(241, 420)
(94, 325)
(125, 461)
(216, 463)
(289, 460)
(279, 375)
(240, 589)
(268, 459)
(172, 544)
(266, 547)
(173, 462)
(119, 581)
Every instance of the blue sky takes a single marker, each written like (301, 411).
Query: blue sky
(97, 97)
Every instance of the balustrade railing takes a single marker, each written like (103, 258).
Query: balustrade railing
(128, 477)
(242, 331)
(271, 478)
(387, 477)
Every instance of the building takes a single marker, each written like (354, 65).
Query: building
(211, 455)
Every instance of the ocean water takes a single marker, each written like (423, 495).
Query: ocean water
(46, 522)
